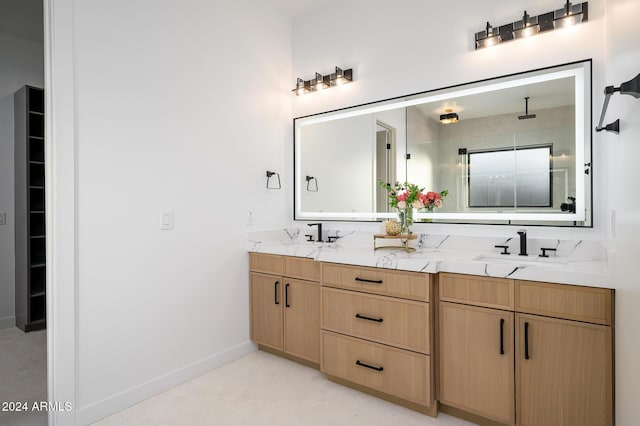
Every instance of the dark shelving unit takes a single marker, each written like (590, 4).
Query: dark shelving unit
(30, 209)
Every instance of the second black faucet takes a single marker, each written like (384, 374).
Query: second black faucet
(319, 225)
(523, 242)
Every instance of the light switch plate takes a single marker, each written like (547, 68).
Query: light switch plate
(3, 218)
(166, 220)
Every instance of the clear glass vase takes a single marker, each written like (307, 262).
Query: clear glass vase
(405, 217)
(429, 210)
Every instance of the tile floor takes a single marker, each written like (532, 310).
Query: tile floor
(259, 389)
(264, 389)
(23, 374)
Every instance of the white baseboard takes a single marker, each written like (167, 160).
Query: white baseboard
(118, 402)
(7, 322)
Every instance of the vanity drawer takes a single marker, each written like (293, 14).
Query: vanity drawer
(489, 292)
(588, 304)
(302, 268)
(397, 322)
(393, 371)
(266, 263)
(407, 285)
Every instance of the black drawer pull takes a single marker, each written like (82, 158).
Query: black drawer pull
(526, 340)
(362, 364)
(501, 336)
(369, 318)
(275, 293)
(369, 281)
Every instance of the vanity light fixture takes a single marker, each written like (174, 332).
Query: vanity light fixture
(449, 117)
(321, 82)
(568, 15)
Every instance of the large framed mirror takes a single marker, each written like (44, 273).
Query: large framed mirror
(514, 149)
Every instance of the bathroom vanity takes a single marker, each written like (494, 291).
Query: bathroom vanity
(444, 329)
(509, 330)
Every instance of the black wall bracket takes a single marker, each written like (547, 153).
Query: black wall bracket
(631, 87)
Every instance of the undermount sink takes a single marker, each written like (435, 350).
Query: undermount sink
(517, 260)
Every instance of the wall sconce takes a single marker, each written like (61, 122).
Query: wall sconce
(269, 175)
(315, 181)
(321, 82)
(569, 15)
(631, 87)
(449, 117)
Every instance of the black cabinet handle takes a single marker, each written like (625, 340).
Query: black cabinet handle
(369, 318)
(362, 364)
(501, 336)
(526, 340)
(286, 296)
(369, 281)
(275, 293)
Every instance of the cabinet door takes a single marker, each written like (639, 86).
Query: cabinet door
(302, 319)
(563, 372)
(476, 360)
(266, 309)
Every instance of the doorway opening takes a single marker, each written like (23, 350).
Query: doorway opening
(23, 336)
(385, 163)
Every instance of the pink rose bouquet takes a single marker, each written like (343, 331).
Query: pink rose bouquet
(409, 195)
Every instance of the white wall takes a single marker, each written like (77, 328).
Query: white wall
(22, 63)
(409, 46)
(180, 106)
(623, 63)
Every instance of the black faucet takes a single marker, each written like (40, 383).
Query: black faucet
(319, 230)
(523, 242)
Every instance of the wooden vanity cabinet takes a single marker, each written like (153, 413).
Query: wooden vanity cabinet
(476, 360)
(285, 304)
(560, 368)
(564, 367)
(377, 333)
(266, 310)
(476, 345)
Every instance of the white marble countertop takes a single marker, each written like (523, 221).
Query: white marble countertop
(575, 262)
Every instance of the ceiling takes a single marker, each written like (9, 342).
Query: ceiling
(22, 18)
(543, 95)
